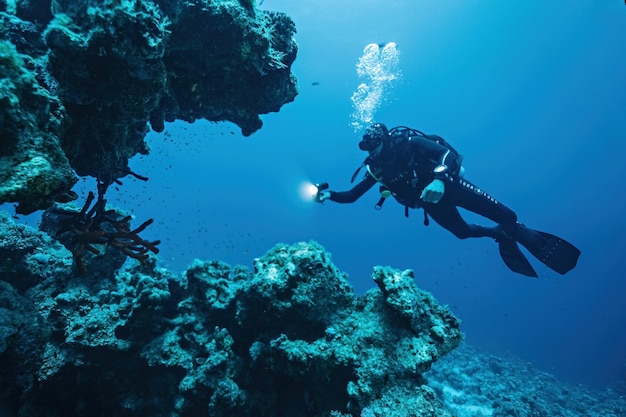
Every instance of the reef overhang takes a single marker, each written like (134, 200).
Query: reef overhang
(83, 81)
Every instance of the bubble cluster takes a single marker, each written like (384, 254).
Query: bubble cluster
(378, 67)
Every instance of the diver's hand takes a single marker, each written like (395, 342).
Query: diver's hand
(433, 192)
(322, 196)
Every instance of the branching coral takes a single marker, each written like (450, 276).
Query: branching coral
(82, 231)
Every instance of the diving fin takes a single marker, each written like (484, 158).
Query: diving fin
(554, 252)
(514, 258)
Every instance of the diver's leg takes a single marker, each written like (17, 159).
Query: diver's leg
(553, 251)
(462, 193)
(448, 217)
(467, 195)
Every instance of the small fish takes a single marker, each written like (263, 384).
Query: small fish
(318, 83)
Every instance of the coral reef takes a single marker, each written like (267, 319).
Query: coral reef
(473, 383)
(28, 257)
(97, 228)
(287, 339)
(81, 80)
(34, 170)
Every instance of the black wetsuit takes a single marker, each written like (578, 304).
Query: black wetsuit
(406, 165)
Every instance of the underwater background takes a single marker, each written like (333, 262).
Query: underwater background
(531, 93)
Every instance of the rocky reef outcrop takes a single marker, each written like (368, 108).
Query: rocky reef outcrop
(289, 338)
(81, 81)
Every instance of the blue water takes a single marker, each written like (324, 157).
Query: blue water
(532, 92)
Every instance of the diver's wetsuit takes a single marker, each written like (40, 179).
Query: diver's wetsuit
(409, 166)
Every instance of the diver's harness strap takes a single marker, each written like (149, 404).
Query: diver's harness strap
(386, 192)
(383, 198)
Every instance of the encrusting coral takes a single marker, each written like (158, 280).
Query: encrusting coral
(291, 339)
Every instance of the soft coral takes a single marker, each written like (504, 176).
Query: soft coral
(80, 231)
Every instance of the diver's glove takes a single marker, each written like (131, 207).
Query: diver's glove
(321, 196)
(433, 192)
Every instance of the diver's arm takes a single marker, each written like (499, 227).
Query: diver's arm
(436, 155)
(357, 191)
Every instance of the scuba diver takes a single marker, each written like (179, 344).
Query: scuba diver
(424, 171)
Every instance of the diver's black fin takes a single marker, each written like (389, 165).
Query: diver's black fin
(554, 252)
(514, 258)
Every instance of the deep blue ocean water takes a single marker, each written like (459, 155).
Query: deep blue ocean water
(533, 93)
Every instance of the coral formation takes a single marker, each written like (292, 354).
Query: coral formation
(80, 81)
(34, 170)
(98, 226)
(473, 383)
(288, 339)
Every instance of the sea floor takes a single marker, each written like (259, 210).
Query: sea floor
(472, 383)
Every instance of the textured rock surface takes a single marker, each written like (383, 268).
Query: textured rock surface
(33, 168)
(81, 80)
(289, 339)
(29, 258)
(476, 384)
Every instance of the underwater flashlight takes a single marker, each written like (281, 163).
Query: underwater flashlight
(310, 191)
(321, 186)
(317, 190)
